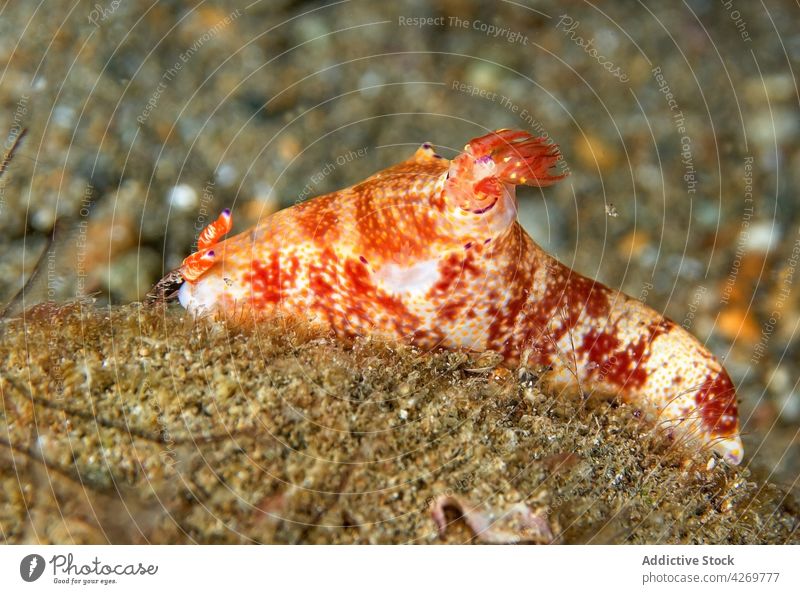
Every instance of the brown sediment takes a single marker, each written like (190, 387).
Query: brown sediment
(138, 424)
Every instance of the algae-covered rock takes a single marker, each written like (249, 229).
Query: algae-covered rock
(137, 425)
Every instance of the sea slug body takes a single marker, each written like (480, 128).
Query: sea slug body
(429, 251)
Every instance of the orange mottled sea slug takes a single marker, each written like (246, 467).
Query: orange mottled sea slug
(429, 251)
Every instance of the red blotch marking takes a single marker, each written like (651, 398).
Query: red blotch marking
(357, 290)
(454, 308)
(554, 312)
(587, 297)
(449, 289)
(600, 348)
(622, 365)
(715, 399)
(618, 364)
(451, 270)
(357, 296)
(505, 319)
(321, 279)
(265, 281)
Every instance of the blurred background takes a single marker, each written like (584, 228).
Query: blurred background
(678, 122)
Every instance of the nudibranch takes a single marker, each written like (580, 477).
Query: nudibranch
(429, 251)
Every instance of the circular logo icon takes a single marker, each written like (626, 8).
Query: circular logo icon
(31, 567)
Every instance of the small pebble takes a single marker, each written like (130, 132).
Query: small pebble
(183, 197)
